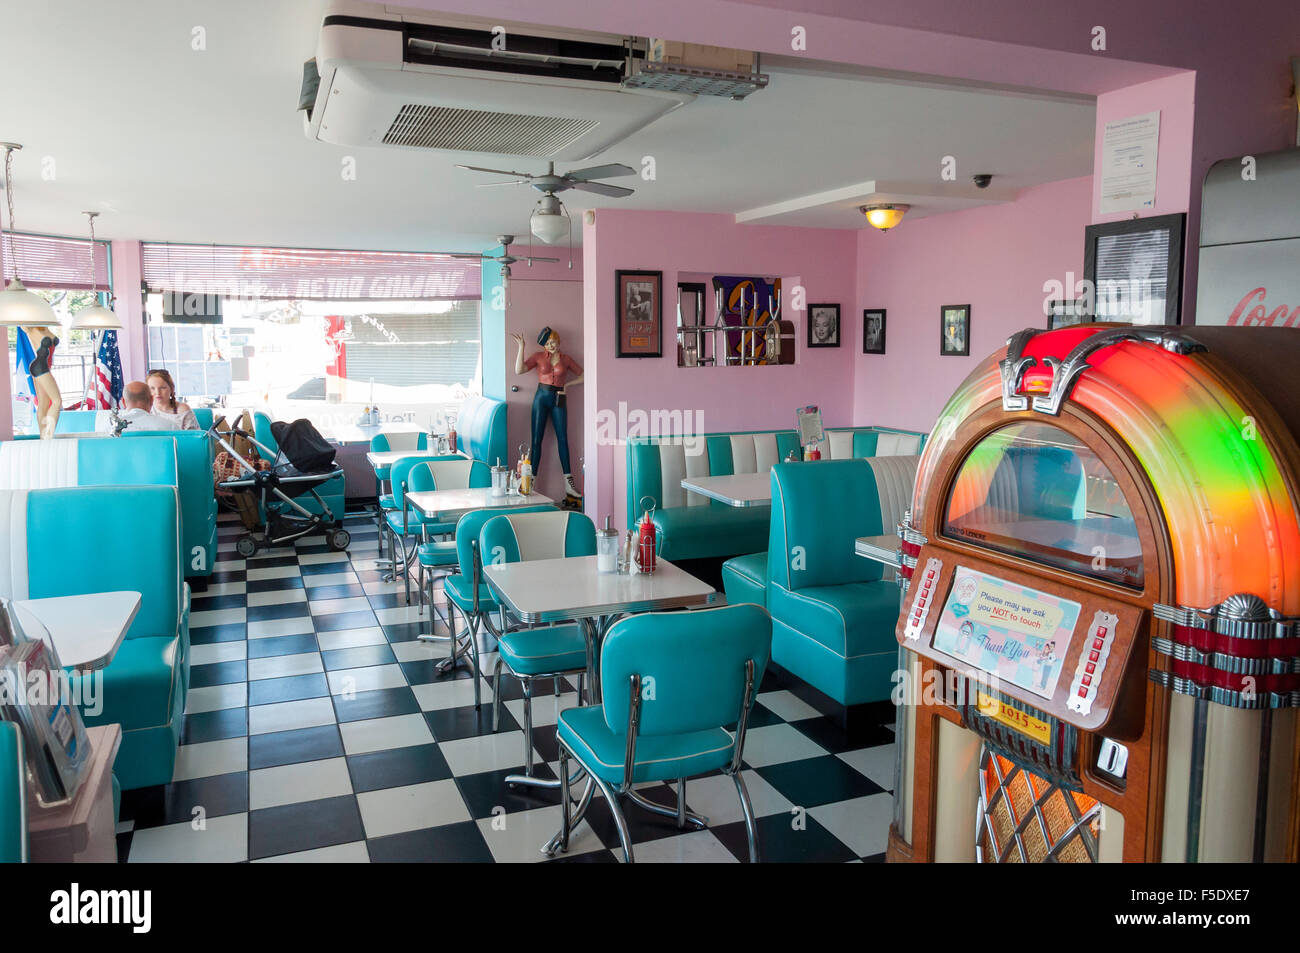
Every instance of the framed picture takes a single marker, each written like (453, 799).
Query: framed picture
(873, 331)
(1135, 269)
(823, 325)
(954, 330)
(1063, 314)
(640, 313)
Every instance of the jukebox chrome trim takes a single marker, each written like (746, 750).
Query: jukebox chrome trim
(1065, 374)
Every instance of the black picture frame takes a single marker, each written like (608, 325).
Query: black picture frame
(873, 346)
(1131, 245)
(813, 314)
(640, 324)
(953, 316)
(1067, 313)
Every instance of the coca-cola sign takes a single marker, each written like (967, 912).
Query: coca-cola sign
(1253, 284)
(1254, 309)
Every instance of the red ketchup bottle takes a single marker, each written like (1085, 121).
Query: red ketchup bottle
(646, 542)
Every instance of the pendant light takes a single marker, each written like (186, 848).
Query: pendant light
(18, 306)
(96, 316)
(547, 223)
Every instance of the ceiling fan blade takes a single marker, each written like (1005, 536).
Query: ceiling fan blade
(493, 185)
(479, 168)
(531, 259)
(600, 188)
(600, 172)
(466, 254)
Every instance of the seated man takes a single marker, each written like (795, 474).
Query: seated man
(135, 410)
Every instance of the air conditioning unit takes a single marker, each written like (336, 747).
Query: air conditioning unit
(405, 79)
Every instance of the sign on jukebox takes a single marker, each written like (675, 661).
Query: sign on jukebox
(1101, 622)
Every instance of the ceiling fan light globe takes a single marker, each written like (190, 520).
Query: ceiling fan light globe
(95, 317)
(548, 227)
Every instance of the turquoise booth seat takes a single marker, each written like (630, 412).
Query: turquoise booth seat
(134, 548)
(691, 526)
(331, 491)
(177, 458)
(833, 612)
(481, 430)
(205, 416)
(13, 795)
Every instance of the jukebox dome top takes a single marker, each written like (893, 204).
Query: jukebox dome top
(1208, 415)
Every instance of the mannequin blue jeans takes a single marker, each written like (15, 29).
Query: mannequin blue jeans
(548, 402)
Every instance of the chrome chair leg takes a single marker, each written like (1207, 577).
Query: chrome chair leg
(557, 686)
(625, 838)
(478, 675)
(527, 684)
(699, 820)
(751, 825)
(681, 803)
(552, 845)
(564, 799)
(496, 696)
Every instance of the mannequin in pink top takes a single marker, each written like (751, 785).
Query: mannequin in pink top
(553, 367)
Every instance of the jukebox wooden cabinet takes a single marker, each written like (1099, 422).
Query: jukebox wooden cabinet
(1100, 631)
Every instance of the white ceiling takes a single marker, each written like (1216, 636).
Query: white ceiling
(175, 144)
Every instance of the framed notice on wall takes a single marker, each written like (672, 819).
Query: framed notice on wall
(640, 313)
(194, 355)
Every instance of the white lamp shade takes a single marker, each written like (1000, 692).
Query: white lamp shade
(18, 306)
(95, 317)
(548, 227)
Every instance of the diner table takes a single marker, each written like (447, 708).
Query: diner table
(447, 505)
(571, 589)
(85, 631)
(734, 489)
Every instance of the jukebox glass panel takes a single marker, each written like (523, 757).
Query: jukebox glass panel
(1034, 491)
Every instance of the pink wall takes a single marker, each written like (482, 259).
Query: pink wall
(534, 304)
(129, 305)
(1174, 97)
(7, 353)
(728, 398)
(995, 259)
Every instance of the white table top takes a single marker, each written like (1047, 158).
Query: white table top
(552, 590)
(737, 489)
(86, 630)
(882, 549)
(446, 504)
(386, 458)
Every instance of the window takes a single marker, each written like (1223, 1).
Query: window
(73, 358)
(1032, 490)
(327, 361)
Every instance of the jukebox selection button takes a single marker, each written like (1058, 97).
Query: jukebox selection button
(1098, 644)
(1101, 632)
(1090, 667)
(1083, 692)
(1092, 663)
(1087, 680)
(1093, 656)
(921, 602)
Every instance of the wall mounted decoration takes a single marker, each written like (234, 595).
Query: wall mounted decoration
(640, 313)
(744, 302)
(823, 325)
(873, 331)
(1063, 314)
(954, 330)
(1135, 269)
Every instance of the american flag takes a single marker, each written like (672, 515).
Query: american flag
(106, 389)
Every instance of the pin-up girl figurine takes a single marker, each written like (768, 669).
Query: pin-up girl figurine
(49, 402)
(552, 368)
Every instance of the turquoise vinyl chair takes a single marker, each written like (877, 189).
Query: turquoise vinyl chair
(383, 443)
(466, 591)
(671, 682)
(549, 651)
(404, 525)
(13, 795)
(438, 473)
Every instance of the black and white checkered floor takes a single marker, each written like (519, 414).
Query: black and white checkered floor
(318, 730)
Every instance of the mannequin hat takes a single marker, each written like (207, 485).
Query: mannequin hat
(544, 336)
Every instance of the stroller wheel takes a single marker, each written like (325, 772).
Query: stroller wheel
(339, 540)
(246, 546)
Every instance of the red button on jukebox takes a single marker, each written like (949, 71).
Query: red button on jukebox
(1097, 644)
(1090, 667)
(1093, 656)
(1087, 679)
(1083, 692)
(1101, 632)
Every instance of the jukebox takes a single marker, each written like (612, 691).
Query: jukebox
(1100, 628)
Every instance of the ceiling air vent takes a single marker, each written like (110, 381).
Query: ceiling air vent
(477, 130)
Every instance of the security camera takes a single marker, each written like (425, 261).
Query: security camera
(982, 180)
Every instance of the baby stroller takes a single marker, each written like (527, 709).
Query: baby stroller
(305, 461)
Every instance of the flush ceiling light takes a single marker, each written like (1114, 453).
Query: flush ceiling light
(548, 223)
(18, 306)
(883, 217)
(96, 316)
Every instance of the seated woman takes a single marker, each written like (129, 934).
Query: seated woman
(165, 403)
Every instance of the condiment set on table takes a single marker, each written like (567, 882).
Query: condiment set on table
(636, 554)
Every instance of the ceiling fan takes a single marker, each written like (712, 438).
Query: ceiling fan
(549, 221)
(505, 259)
